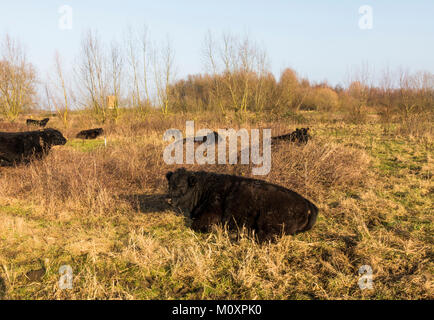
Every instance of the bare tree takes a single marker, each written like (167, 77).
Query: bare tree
(240, 70)
(210, 61)
(260, 98)
(92, 73)
(386, 86)
(61, 102)
(163, 65)
(116, 60)
(228, 56)
(290, 93)
(134, 63)
(358, 91)
(407, 88)
(415, 101)
(145, 59)
(17, 79)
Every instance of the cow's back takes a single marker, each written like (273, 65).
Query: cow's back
(16, 147)
(267, 208)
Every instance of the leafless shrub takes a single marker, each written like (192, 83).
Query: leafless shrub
(17, 79)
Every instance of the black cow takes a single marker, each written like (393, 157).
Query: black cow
(39, 123)
(266, 208)
(206, 139)
(21, 147)
(90, 134)
(300, 136)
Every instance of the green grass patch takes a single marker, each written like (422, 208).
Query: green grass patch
(15, 210)
(85, 145)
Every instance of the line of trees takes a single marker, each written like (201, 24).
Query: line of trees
(133, 73)
(107, 77)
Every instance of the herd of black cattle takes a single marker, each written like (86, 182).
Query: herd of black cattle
(21, 147)
(208, 198)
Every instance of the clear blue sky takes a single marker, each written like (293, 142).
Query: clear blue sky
(319, 39)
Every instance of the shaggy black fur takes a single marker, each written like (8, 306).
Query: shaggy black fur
(39, 123)
(90, 134)
(21, 147)
(266, 208)
(300, 136)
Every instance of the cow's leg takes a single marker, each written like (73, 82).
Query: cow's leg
(205, 216)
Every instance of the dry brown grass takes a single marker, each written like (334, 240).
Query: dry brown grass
(102, 211)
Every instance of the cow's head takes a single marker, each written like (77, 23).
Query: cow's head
(183, 189)
(53, 137)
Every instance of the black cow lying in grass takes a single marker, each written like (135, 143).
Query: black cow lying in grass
(206, 139)
(39, 123)
(21, 147)
(90, 134)
(266, 208)
(300, 136)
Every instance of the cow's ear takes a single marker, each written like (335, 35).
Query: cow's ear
(168, 175)
(192, 180)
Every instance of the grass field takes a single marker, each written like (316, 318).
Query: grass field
(102, 211)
